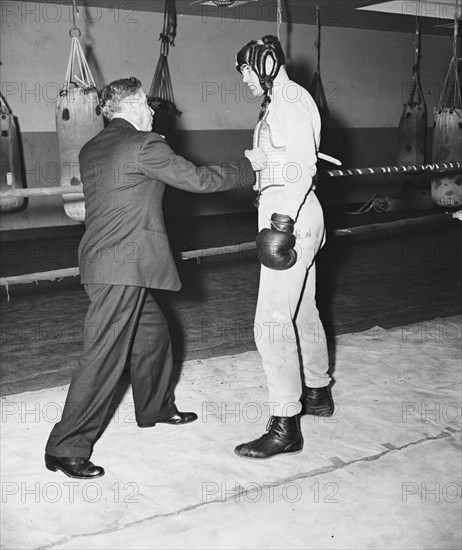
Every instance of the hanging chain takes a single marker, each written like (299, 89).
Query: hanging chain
(417, 44)
(279, 18)
(455, 99)
(317, 89)
(168, 34)
(161, 87)
(75, 11)
(417, 87)
(318, 38)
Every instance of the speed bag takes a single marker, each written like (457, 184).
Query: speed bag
(447, 147)
(78, 119)
(10, 171)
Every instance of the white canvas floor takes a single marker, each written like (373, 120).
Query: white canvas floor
(383, 472)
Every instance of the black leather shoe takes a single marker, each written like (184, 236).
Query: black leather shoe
(283, 436)
(176, 419)
(73, 466)
(317, 401)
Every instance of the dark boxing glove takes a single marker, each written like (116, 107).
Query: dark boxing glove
(275, 246)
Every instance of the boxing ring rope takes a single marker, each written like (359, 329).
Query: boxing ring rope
(40, 276)
(235, 248)
(242, 247)
(374, 171)
(42, 191)
(402, 169)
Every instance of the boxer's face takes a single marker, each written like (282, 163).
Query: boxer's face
(141, 111)
(250, 77)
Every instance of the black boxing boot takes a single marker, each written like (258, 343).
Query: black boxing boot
(283, 436)
(317, 401)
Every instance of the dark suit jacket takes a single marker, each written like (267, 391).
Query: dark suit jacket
(124, 172)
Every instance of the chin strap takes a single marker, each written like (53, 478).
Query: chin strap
(264, 107)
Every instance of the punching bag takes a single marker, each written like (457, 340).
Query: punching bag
(412, 134)
(447, 135)
(10, 174)
(447, 147)
(78, 119)
(412, 128)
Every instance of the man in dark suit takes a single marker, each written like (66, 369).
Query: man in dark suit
(123, 254)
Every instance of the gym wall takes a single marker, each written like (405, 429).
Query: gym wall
(366, 75)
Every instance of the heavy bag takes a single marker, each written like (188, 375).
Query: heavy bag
(78, 119)
(10, 171)
(412, 133)
(412, 129)
(447, 147)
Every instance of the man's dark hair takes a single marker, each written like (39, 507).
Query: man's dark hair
(114, 94)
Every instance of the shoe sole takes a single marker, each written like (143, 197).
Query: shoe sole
(169, 423)
(268, 457)
(57, 468)
(179, 423)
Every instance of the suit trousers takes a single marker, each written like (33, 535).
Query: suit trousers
(123, 324)
(289, 334)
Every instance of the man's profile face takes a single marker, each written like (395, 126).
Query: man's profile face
(250, 77)
(141, 111)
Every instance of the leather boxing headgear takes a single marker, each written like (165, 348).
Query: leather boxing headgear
(256, 53)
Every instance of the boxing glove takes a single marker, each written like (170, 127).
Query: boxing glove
(275, 245)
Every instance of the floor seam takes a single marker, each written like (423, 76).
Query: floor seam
(338, 465)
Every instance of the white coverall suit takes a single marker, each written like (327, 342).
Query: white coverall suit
(288, 332)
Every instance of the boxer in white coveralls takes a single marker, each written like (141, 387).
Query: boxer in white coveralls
(288, 332)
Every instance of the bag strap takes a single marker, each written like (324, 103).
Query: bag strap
(452, 100)
(4, 107)
(417, 87)
(317, 88)
(85, 78)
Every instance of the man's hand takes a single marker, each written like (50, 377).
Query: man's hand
(257, 157)
(275, 246)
